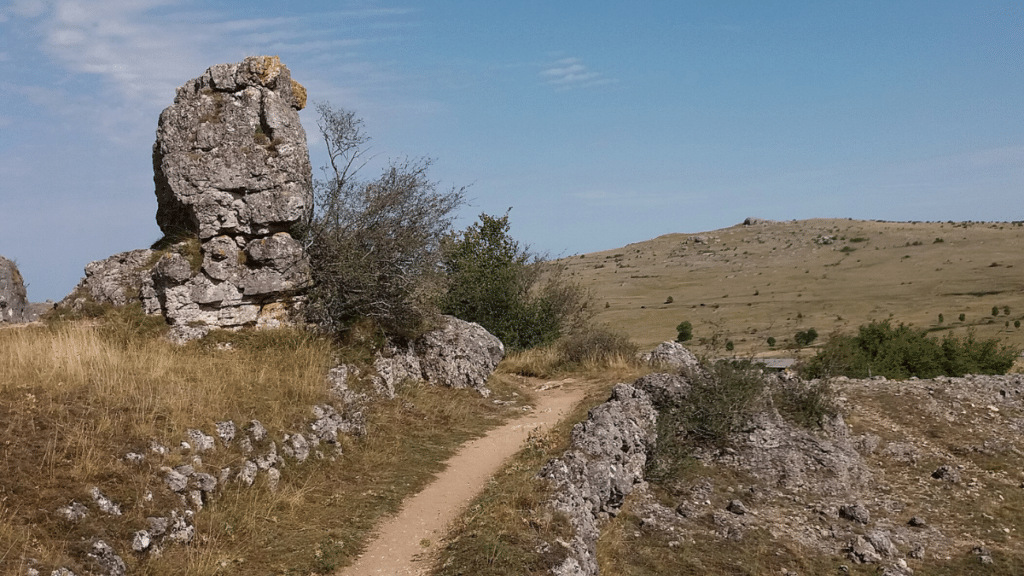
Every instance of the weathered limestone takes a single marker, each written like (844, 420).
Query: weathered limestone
(232, 175)
(14, 306)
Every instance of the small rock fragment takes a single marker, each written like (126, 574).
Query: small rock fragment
(855, 512)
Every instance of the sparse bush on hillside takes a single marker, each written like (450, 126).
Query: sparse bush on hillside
(516, 295)
(897, 353)
(684, 331)
(962, 316)
(374, 246)
(771, 341)
(805, 337)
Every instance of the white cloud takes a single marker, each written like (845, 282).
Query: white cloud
(572, 73)
(126, 57)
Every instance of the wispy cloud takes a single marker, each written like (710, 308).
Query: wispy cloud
(126, 57)
(569, 73)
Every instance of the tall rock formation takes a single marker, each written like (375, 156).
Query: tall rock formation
(233, 178)
(14, 306)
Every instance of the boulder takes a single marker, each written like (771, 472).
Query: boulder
(460, 354)
(14, 305)
(230, 156)
(671, 355)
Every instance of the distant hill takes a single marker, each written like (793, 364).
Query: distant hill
(748, 282)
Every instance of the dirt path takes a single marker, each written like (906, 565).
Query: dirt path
(403, 545)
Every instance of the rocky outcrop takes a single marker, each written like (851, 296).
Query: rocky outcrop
(459, 354)
(116, 280)
(603, 464)
(232, 175)
(14, 305)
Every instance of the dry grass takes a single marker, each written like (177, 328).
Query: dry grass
(751, 282)
(76, 397)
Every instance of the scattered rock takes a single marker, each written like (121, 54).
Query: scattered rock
(855, 512)
(106, 505)
(200, 442)
(110, 563)
(736, 507)
(226, 431)
(947, 473)
(72, 512)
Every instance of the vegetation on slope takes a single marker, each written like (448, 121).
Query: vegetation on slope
(897, 353)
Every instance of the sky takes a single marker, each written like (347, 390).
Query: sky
(599, 123)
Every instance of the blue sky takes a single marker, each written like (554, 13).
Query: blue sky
(601, 123)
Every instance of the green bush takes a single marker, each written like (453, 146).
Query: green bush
(962, 316)
(805, 337)
(771, 341)
(517, 296)
(684, 331)
(897, 353)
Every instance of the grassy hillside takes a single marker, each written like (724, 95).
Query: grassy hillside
(747, 283)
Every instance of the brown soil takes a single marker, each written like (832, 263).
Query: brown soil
(405, 542)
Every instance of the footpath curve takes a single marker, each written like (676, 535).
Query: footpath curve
(403, 544)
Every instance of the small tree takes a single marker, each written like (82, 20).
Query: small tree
(963, 316)
(771, 341)
(1016, 323)
(374, 246)
(684, 331)
(516, 295)
(1006, 310)
(729, 346)
(941, 318)
(995, 310)
(669, 300)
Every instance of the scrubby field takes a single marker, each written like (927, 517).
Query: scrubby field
(774, 279)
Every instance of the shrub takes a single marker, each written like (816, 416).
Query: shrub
(374, 246)
(771, 341)
(1016, 323)
(995, 310)
(805, 337)
(669, 300)
(723, 398)
(941, 319)
(879, 349)
(729, 346)
(684, 331)
(516, 295)
(596, 345)
(963, 316)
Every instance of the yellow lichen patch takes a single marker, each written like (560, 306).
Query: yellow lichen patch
(266, 68)
(300, 95)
